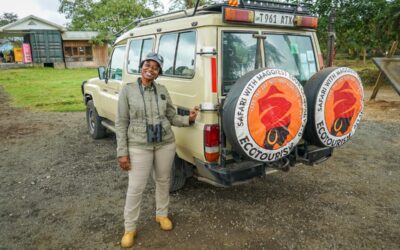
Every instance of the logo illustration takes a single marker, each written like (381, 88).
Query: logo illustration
(343, 108)
(274, 114)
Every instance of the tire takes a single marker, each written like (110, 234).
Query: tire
(264, 114)
(178, 175)
(335, 105)
(93, 120)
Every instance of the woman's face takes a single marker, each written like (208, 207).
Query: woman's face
(150, 70)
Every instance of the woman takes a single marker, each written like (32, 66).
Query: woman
(146, 142)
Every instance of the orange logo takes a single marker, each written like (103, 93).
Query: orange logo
(275, 113)
(344, 103)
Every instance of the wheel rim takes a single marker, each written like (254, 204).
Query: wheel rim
(92, 121)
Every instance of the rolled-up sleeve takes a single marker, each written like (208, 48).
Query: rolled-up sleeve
(173, 117)
(122, 123)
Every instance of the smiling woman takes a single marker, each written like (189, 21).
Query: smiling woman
(46, 89)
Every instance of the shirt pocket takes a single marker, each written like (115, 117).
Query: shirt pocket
(139, 132)
(166, 127)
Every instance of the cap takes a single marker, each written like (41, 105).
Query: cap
(154, 57)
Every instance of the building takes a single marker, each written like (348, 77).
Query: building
(49, 44)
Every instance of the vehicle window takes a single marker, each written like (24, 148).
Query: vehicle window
(134, 56)
(185, 54)
(117, 60)
(239, 57)
(178, 50)
(292, 53)
(138, 49)
(167, 50)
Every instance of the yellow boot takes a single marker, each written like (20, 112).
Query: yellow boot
(165, 223)
(128, 239)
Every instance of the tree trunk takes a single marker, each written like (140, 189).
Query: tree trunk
(364, 56)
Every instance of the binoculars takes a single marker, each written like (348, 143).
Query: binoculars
(154, 133)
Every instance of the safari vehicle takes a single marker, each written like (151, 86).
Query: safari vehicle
(256, 71)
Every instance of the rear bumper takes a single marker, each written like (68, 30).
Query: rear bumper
(232, 174)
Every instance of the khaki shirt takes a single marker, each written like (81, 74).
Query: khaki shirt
(131, 124)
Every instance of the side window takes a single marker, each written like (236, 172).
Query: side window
(185, 54)
(167, 50)
(178, 50)
(117, 60)
(134, 56)
(138, 49)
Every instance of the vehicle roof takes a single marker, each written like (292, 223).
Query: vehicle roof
(203, 16)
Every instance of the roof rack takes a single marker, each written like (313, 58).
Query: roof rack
(278, 6)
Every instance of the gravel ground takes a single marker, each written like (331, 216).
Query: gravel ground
(62, 190)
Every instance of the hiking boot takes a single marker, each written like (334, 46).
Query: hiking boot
(165, 222)
(128, 239)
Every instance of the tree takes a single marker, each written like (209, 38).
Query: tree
(8, 17)
(108, 17)
(357, 24)
(185, 4)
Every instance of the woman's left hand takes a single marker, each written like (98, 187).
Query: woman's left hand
(193, 113)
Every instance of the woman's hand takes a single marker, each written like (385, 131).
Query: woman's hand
(124, 162)
(193, 113)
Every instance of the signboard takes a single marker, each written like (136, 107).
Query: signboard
(18, 55)
(26, 50)
(390, 67)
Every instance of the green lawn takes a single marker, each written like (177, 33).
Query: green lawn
(49, 89)
(46, 89)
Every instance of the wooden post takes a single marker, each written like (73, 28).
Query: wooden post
(379, 81)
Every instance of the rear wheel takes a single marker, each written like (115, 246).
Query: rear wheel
(178, 175)
(96, 129)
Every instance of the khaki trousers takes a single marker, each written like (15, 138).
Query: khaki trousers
(143, 162)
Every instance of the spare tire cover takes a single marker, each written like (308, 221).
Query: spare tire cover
(264, 114)
(335, 106)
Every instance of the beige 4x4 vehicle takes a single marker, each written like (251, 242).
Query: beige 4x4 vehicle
(256, 71)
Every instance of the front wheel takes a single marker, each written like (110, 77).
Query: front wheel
(96, 129)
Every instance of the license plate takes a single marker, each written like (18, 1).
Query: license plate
(272, 18)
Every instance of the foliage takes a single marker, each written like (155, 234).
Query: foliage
(360, 24)
(46, 89)
(108, 17)
(8, 17)
(185, 4)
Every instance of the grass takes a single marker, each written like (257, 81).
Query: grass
(368, 72)
(59, 90)
(46, 89)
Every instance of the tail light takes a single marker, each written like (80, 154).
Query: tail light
(306, 21)
(321, 61)
(214, 75)
(238, 15)
(211, 142)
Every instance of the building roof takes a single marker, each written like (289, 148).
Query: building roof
(79, 35)
(31, 23)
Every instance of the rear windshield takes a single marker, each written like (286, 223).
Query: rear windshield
(292, 53)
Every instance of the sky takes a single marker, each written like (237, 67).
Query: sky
(46, 9)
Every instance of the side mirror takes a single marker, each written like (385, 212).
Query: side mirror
(102, 72)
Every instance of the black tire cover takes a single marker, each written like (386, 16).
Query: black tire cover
(335, 106)
(264, 114)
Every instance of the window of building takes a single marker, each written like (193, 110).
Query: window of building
(138, 49)
(78, 53)
(178, 50)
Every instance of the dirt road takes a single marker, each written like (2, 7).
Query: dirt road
(60, 189)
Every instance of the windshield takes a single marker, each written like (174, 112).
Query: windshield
(292, 53)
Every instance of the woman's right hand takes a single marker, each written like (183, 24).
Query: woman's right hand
(124, 162)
